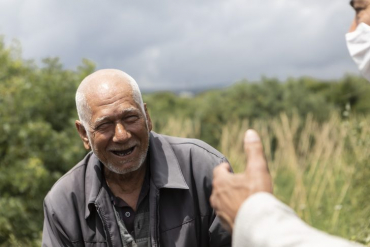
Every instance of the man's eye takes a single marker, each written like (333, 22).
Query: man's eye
(131, 118)
(102, 126)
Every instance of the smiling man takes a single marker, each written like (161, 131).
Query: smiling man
(136, 187)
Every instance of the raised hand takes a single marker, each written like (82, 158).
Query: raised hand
(231, 190)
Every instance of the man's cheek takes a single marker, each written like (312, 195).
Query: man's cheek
(364, 16)
(366, 19)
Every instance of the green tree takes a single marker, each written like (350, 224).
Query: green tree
(38, 142)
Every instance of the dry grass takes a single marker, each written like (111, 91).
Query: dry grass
(313, 166)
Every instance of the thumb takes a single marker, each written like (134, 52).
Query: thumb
(221, 170)
(253, 149)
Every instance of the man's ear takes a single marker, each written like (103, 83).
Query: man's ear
(82, 132)
(150, 126)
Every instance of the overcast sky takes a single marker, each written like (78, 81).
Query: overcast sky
(168, 44)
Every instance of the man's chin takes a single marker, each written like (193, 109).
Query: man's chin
(123, 171)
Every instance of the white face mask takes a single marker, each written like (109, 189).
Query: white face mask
(358, 43)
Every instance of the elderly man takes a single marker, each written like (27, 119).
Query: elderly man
(136, 187)
(245, 202)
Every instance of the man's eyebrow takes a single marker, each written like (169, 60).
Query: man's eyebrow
(130, 110)
(100, 120)
(358, 3)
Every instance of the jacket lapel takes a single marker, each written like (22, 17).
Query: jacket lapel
(164, 167)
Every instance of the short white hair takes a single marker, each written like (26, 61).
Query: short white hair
(136, 94)
(83, 108)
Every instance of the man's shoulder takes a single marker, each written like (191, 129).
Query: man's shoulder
(191, 143)
(71, 180)
(197, 148)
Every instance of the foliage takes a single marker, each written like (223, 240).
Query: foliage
(37, 140)
(264, 100)
(321, 170)
(314, 132)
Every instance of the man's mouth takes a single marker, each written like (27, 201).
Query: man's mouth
(123, 152)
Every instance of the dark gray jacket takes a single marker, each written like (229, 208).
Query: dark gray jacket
(78, 210)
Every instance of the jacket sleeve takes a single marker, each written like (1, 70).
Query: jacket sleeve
(264, 221)
(52, 235)
(219, 237)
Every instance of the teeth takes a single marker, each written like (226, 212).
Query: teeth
(123, 153)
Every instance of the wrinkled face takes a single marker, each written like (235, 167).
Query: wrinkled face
(118, 132)
(362, 9)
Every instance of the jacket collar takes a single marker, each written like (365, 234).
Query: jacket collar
(93, 182)
(164, 167)
(165, 171)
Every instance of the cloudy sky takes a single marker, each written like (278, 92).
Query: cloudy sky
(167, 44)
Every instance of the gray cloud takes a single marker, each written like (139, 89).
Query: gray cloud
(181, 44)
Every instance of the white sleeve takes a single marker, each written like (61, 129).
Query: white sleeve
(264, 221)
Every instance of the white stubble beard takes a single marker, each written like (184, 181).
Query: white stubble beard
(141, 161)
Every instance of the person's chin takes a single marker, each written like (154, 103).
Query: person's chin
(123, 169)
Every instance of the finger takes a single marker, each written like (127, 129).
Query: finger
(254, 151)
(213, 200)
(353, 25)
(221, 169)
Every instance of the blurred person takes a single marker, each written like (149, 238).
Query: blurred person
(136, 187)
(358, 37)
(255, 217)
(245, 202)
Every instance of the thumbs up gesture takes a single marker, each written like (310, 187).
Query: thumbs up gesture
(231, 190)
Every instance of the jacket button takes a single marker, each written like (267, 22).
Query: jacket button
(127, 214)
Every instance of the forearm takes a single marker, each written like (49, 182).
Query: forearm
(264, 221)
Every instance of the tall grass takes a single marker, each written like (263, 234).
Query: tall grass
(321, 170)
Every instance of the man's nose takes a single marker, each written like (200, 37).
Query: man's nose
(120, 133)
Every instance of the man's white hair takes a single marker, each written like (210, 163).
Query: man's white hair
(83, 108)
